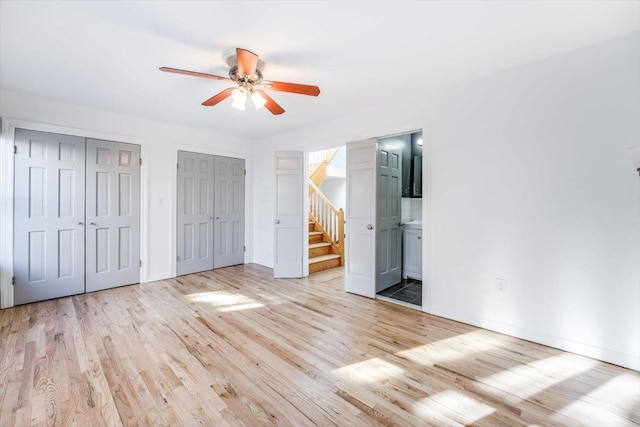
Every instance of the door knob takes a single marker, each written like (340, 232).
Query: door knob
(369, 227)
(217, 217)
(277, 221)
(81, 223)
(419, 237)
(93, 223)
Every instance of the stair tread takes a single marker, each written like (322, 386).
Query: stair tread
(323, 258)
(315, 233)
(319, 245)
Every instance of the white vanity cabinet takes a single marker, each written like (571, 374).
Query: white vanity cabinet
(412, 250)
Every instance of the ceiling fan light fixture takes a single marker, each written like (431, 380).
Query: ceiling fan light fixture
(258, 100)
(239, 99)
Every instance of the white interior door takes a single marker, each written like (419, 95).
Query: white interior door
(389, 235)
(48, 234)
(228, 232)
(360, 266)
(289, 216)
(112, 214)
(195, 213)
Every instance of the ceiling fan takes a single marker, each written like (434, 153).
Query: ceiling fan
(246, 71)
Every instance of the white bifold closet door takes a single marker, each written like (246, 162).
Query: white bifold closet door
(195, 213)
(77, 215)
(112, 214)
(48, 240)
(228, 232)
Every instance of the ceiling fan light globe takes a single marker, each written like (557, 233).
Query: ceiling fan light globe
(258, 100)
(238, 105)
(239, 99)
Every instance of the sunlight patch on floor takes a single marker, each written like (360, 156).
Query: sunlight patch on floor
(532, 378)
(368, 371)
(447, 350)
(625, 389)
(224, 301)
(454, 405)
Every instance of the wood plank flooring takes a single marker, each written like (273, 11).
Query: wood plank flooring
(235, 347)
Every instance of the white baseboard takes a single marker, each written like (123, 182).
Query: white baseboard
(264, 263)
(606, 355)
(156, 277)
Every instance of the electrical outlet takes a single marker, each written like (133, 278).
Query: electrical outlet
(501, 285)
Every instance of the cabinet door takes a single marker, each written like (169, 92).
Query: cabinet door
(412, 254)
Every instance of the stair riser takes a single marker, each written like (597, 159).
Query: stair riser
(312, 227)
(315, 239)
(319, 251)
(324, 265)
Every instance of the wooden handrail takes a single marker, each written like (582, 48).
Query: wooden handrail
(318, 163)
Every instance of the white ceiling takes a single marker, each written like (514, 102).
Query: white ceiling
(106, 54)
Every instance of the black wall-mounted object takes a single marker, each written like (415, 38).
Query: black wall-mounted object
(411, 162)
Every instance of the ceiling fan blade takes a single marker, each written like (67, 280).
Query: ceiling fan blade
(193, 73)
(218, 97)
(247, 62)
(271, 105)
(292, 88)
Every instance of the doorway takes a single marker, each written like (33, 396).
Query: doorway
(384, 222)
(404, 285)
(210, 217)
(327, 197)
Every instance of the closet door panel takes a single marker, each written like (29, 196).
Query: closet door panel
(229, 212)
(49, 216)
(113, 214)
(195, 213)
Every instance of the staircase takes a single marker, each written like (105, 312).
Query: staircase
(326, 223)
(322, 254)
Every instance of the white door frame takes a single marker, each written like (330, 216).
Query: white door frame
(7, 138)
(248, 199)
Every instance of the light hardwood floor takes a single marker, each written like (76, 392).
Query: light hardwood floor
(236, 347)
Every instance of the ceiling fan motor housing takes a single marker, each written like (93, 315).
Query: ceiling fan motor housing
(245, 80)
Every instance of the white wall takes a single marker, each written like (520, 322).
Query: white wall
(528, 179)
(160, 143)
(335, 189)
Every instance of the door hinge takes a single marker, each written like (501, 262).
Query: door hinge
(140, 263)
(244, 249)
(140, 161)
(178, 258)
(15, 149)
(13, 280)
(245, 172)
(177, 165)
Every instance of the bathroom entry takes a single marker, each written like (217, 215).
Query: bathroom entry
(407, 290)
(384, 218)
